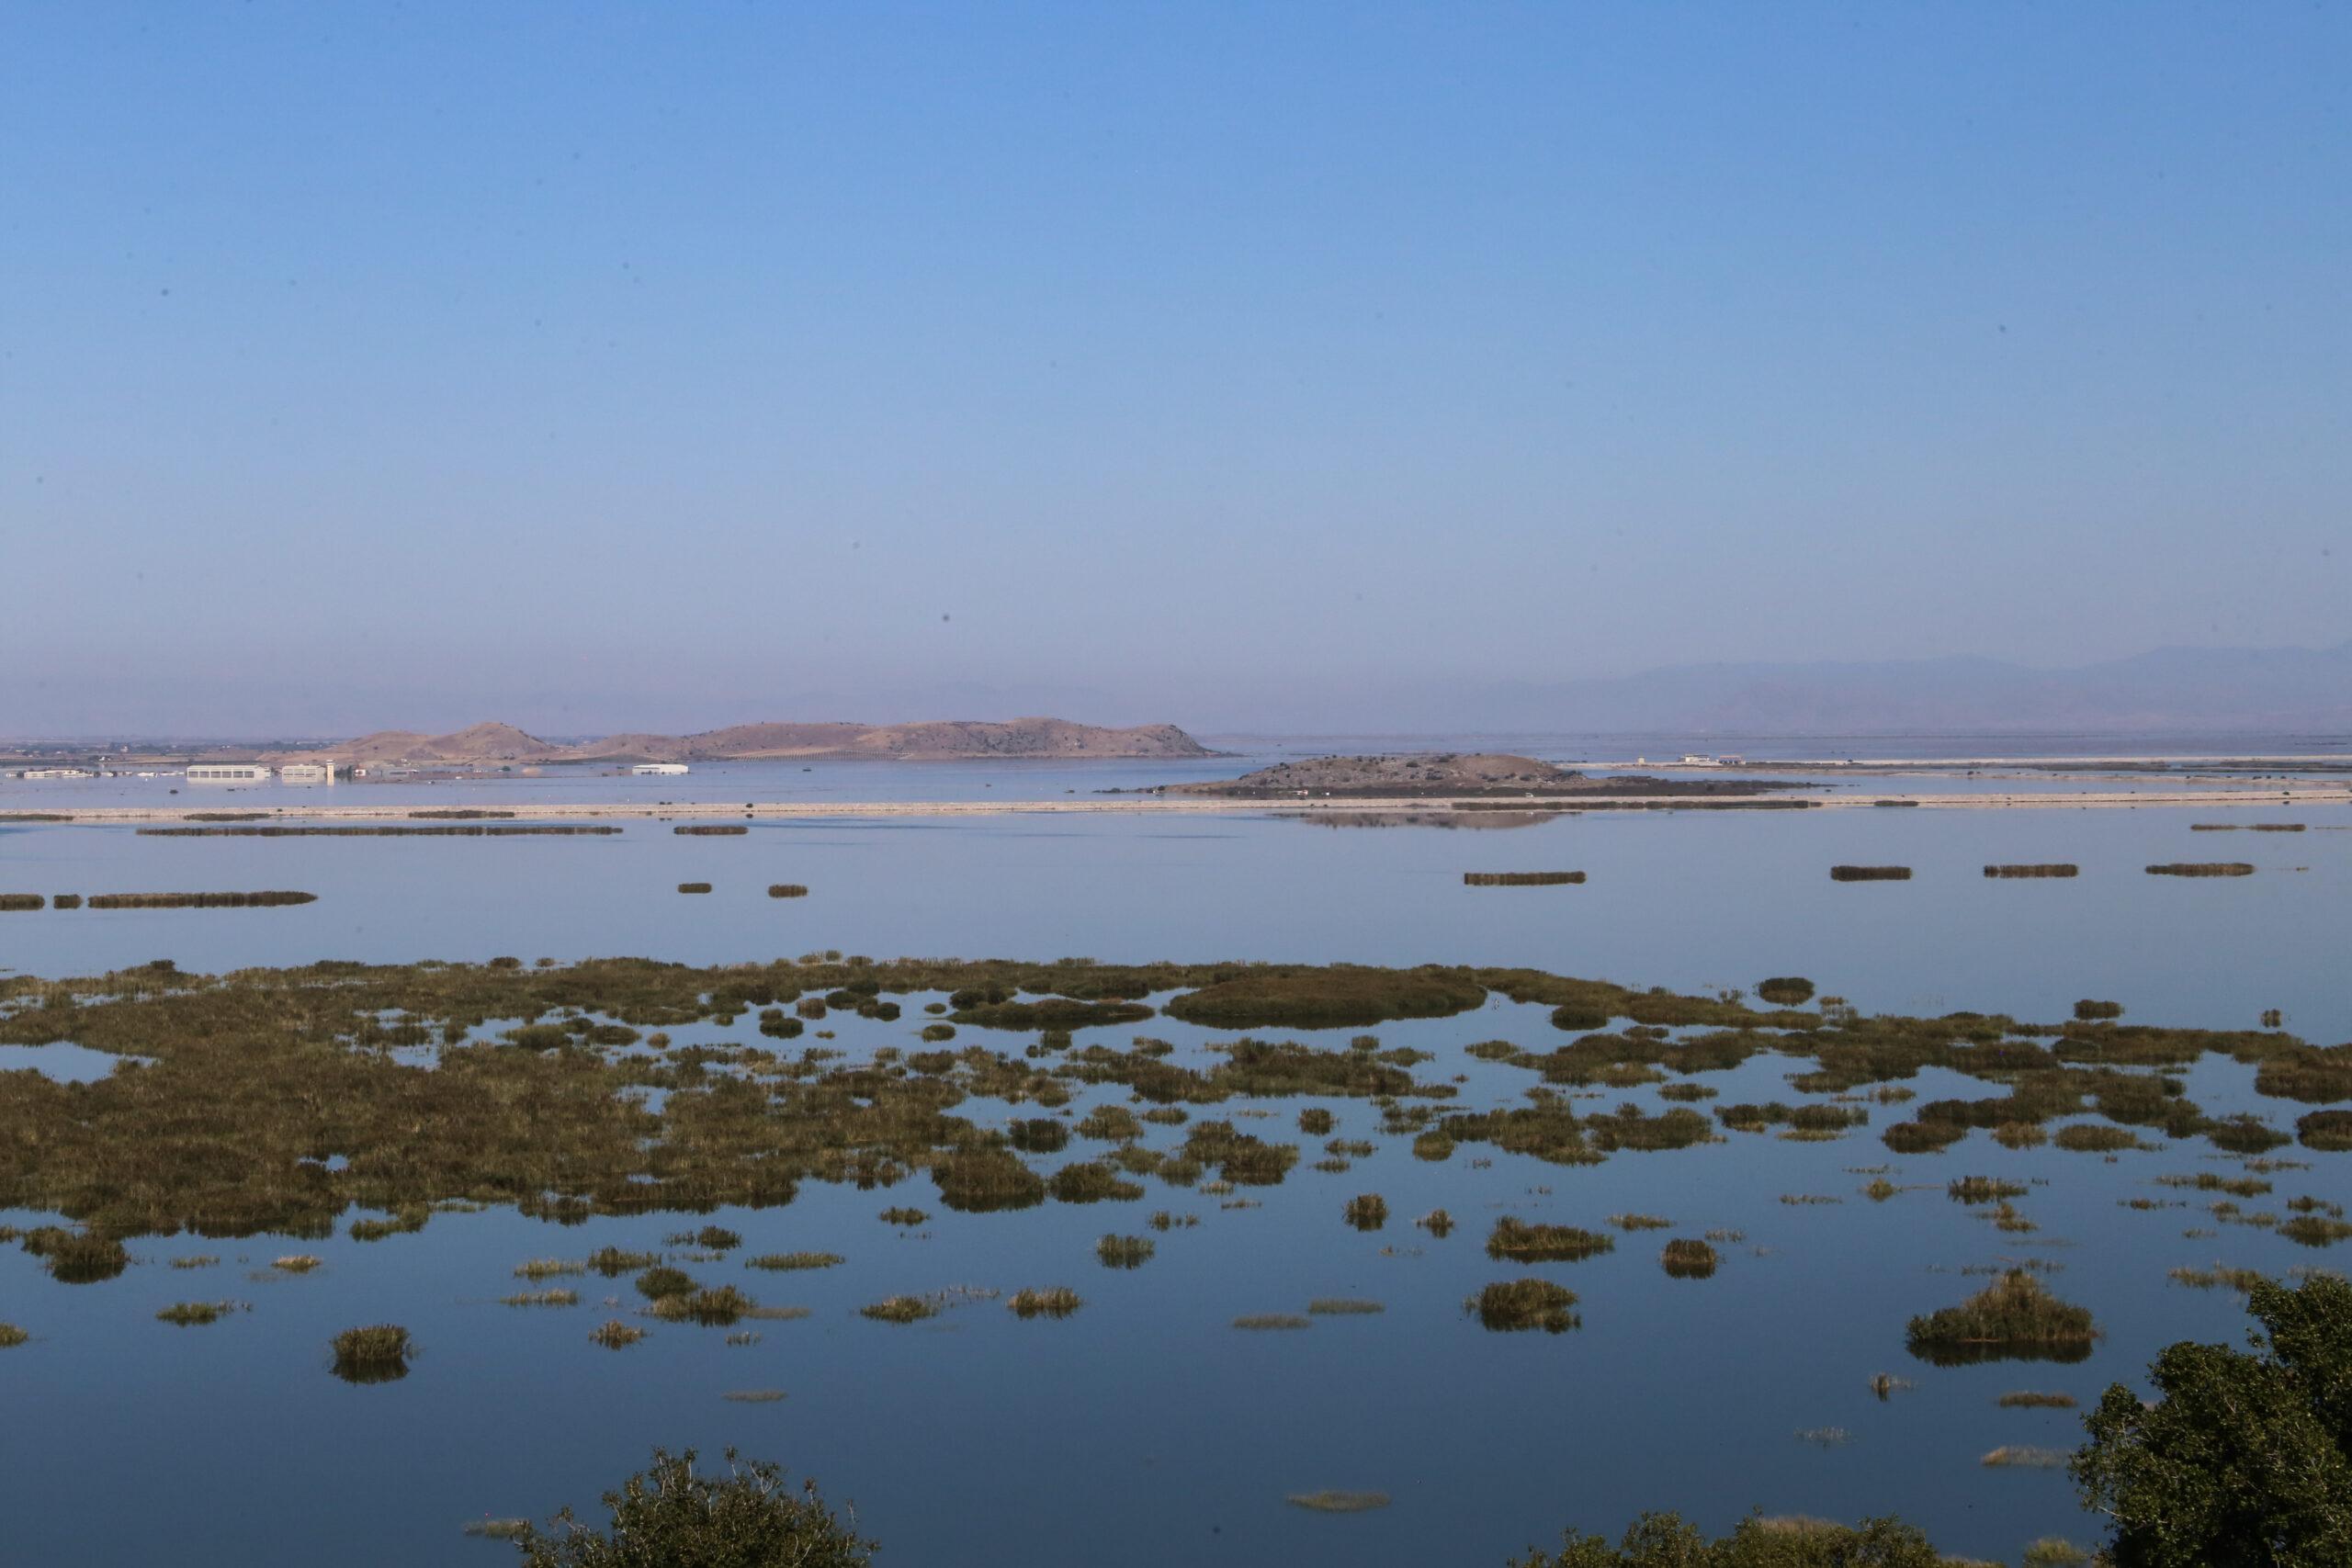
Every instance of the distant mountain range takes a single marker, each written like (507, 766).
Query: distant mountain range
(2170, 690)
(936, 741)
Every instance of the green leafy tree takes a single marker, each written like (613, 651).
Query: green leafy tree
(2245, 1459)
(669, 1516)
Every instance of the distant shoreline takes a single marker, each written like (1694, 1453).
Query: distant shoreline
(1183, 805)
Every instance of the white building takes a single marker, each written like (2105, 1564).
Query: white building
(307, 772)
(663, 768)
(58, 773)
(227, 773)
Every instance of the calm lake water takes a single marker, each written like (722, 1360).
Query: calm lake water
(1145, 1430)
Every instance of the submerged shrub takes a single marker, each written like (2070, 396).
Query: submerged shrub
(670, 1514)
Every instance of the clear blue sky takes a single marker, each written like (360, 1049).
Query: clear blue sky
(595, 366)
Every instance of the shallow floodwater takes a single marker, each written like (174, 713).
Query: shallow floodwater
(1145, 1430)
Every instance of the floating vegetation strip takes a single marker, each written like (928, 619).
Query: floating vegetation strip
(2053, 868)
(1521, 878)
(2202, 868)
(392, 830)
(1869, 873)
(711, 830)
(2014, 1317)
(199, 900)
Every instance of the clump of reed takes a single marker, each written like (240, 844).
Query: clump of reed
(661, 1281)
(296, 1263)
(710, 829)
(710, 1238)
(2014, 1317)
(1366, 1211)
(1511, 1305)
(1055, 1301)
(1630, 1223)
(1688, 1258)
(2030, 1399)
(1091, 1181)
(713, 1307)
(900, 1309)
(559, 1297)
(612, 1262)
(1521, 878)
(1124, 1251)
(788, 890)
(1983, 1189)
(1886, 1385)
(2202, 868)
(2050, 868)
(1161, 1220)
(11, 1336)
(1343, 1306)
(1264, 1321)
(1316, 1122)
(1869, 873)
(2097, 1138)
(191, 1314)
(1785, 990)
(537, 1268)
(1520, 1242)
(197, 1260)
(403, 1223)
(2024, 1456)
(1438, 1222)
(2316, 1230)
(1331, 1502)
(262, 901)
(903, 1215)
(694, 887)
(378, 1353)
(786, 1262)
(615, 1335)
(1686, 1091)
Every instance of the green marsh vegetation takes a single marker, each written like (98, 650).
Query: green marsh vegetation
(672, 1514)
(552, 1298)
(1630, 1223)
(296, 1263)
(76, 1258)
(1516, 1306)
(1686, 1257)
(785, 1262)
(2052, 868)
(1983, 1189)
(904, 1217)
(1520, 1242)
(713, 1307)
(1869, 873)
(2016, 1318)
(1330, 1502)
(2202, 868)
(1438, 1222)
(1522, 878)
(191, 1314)
(376, 1353)
(1124, 1251)
(1056, 1301)
(1316, 1122)
(901, 1309)
(197, 1260)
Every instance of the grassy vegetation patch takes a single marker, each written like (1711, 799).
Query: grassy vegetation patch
(1515, 1305)
(1521, 1241)
(1336, 997)
(2016, 1318)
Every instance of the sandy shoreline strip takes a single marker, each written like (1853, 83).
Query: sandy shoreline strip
(1180, 805)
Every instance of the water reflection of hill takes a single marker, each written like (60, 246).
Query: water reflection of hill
(1420, 819)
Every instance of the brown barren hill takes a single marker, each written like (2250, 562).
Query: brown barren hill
(934, 741)
(1455, 774)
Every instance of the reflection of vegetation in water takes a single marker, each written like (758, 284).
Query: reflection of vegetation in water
(2016, 1318)
(378, 1353)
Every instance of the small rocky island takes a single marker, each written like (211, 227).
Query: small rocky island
(1425, 775)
